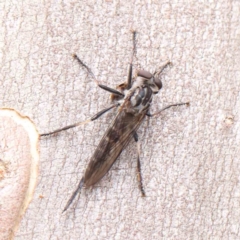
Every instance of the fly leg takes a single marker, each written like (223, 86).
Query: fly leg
(99, 114)
(128, 84)
(139, 174)
(79, 187)
(130, 65)
(106, 88)
(96, 116)
(115, 93)
(169, 106)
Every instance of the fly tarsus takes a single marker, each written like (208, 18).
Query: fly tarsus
(65, 128)
(85, 66)
(79, 187)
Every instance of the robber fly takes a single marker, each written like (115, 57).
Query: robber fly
(133, 99)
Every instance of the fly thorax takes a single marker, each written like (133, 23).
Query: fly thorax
(141, 98)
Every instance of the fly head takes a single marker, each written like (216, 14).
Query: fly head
(150, 79)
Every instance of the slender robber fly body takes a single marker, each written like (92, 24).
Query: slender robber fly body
(133, 99)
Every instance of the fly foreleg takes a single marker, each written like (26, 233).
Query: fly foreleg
(167, 107)
(139, 174)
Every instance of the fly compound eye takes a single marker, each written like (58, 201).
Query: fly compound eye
(144, 74)
(158, 82)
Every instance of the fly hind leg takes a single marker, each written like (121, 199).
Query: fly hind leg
(139, 173)
(96, 116)
(116, 94)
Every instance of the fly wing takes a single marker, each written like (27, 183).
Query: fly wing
(111, 145)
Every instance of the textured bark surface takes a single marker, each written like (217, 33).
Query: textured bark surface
(190, 156)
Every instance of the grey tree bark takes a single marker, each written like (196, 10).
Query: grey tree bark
(190, 156)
